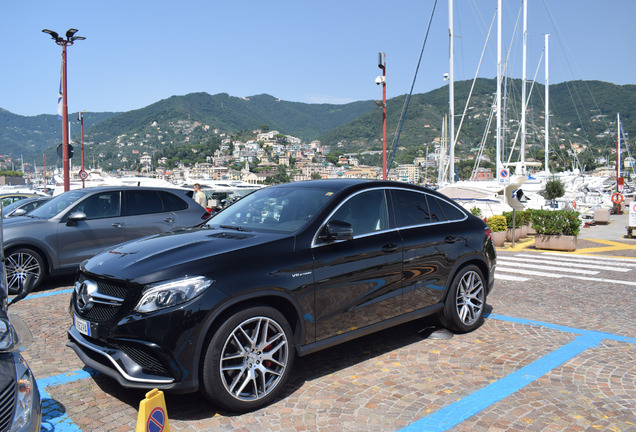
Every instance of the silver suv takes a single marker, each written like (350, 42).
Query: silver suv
(56, 237)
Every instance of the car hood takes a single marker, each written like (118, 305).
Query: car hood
(22, 220)
(180, 253)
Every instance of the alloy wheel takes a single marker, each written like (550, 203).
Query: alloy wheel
(19, 265)
(470, 298)
(254, 358)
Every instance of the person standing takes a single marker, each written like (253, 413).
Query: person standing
(199, 196)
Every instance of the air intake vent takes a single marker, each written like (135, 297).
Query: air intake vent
(231, 236)
(7, 405)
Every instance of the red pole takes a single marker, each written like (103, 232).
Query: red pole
(82, 123)
(67, 179)
(384, 123)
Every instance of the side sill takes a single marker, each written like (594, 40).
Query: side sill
(355, 334)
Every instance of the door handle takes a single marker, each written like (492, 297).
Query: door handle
(451, 239)
(116, 225)
(391, 247)
(169, 220)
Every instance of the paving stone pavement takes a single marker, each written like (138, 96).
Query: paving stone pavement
(552, 355)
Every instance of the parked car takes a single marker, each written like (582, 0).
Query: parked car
(75, 225)
(23, 206)
(289, 269)
(20, 406)
(9, 198)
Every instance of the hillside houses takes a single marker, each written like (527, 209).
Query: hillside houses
(257, 158)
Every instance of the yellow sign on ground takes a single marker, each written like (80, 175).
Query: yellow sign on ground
(153, 415)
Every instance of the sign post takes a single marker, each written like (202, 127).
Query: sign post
(504, 176)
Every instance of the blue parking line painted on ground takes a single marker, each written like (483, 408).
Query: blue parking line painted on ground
(54, 417)
(48, 294)
(561, 328)
(456, 413)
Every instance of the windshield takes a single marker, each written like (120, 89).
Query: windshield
(9, 208)
(279, 209)
(57, 204)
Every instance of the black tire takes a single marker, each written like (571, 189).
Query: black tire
(19, 264)
(243, 371)
(464, 306)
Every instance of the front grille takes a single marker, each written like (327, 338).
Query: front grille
(143, 357)
(103, 311)
(7, 405)
(100, 313)
(111, 289)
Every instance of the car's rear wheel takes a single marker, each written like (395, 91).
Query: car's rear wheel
(21, 263)
(248, 360)
(464, 307)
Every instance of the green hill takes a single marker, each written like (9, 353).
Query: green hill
(581, 112)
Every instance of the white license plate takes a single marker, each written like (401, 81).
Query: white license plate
(82, 326)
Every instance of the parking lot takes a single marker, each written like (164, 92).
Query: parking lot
(556, 352)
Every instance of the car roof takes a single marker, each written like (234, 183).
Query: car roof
(122, 188)
(347, 183)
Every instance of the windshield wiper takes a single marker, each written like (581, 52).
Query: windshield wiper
(234, 227)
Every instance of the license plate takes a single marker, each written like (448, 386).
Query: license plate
(82, 326)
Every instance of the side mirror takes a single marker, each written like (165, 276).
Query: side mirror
(25, 289)
(75, 216)
(18, 212)
(337, 230)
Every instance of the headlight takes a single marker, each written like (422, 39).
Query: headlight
(24, 402)
(8, 338)
(172, 293)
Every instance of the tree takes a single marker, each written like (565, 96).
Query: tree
(554, 189)
(280, 176)
(315, 176)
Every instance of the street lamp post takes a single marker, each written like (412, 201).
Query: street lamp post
(70, 39)
(382, 80)
(83, 174)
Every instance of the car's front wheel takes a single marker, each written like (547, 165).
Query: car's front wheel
(21, 263)
(248, 359)
(464, 307)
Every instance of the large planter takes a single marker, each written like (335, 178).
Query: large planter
(524, 231)
(517, 234)
(531, 230)
(498, 238)
(555, 242)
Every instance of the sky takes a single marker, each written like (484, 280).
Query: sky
(138, 52)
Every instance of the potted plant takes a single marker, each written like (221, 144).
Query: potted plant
(510, 232)
(529, 213)
(556, 230)
(522, 221)
(497, 225)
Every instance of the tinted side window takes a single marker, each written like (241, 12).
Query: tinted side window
(100, 205)
(451, 212)
(412, 208)
(143, 202)
(171, 202)
(366, 212)
(437, 215)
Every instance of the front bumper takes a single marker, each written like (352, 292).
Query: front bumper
(132, 364)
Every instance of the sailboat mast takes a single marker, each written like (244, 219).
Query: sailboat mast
(498, 127)
(522, 148)
(547, 107)
(451, 95)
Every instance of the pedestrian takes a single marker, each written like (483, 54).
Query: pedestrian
(199, 196)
